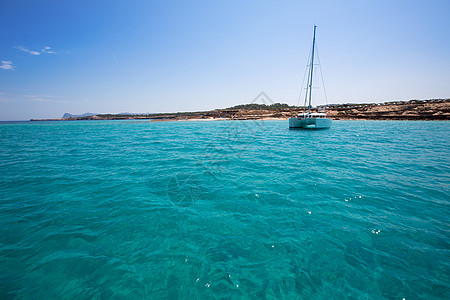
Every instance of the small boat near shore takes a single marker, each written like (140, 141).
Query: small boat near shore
(307, 119)
(310, 121)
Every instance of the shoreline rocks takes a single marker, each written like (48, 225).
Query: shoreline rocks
(438, 109)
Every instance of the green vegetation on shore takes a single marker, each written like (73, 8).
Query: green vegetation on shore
(256, 106)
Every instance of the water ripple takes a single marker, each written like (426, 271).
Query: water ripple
(194, 210)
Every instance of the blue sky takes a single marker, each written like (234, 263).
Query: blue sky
(167, 56)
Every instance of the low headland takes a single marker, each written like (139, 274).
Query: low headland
(434, 109)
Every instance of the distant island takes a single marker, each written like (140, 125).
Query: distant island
(434, 109)
(70, 116)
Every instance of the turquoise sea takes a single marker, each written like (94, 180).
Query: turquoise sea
(224, 210)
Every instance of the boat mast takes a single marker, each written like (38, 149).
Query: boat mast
(311, 70)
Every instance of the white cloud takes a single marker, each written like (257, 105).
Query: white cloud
(47, 50)
(6, 65)
(26, 50)
(33, 52)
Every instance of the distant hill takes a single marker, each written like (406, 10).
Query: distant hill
(256, 106)
(68, 116)
(433, 109)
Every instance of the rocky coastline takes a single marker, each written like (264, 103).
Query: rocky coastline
(435, 109)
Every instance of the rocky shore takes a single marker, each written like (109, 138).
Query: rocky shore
(436, 109)
(411, 110)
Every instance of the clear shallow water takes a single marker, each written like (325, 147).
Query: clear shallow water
(127, 209)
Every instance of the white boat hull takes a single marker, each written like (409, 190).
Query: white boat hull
(309, 123)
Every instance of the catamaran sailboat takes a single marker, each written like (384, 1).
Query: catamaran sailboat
(308, 120)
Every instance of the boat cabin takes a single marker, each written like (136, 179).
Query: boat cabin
(312, 115)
